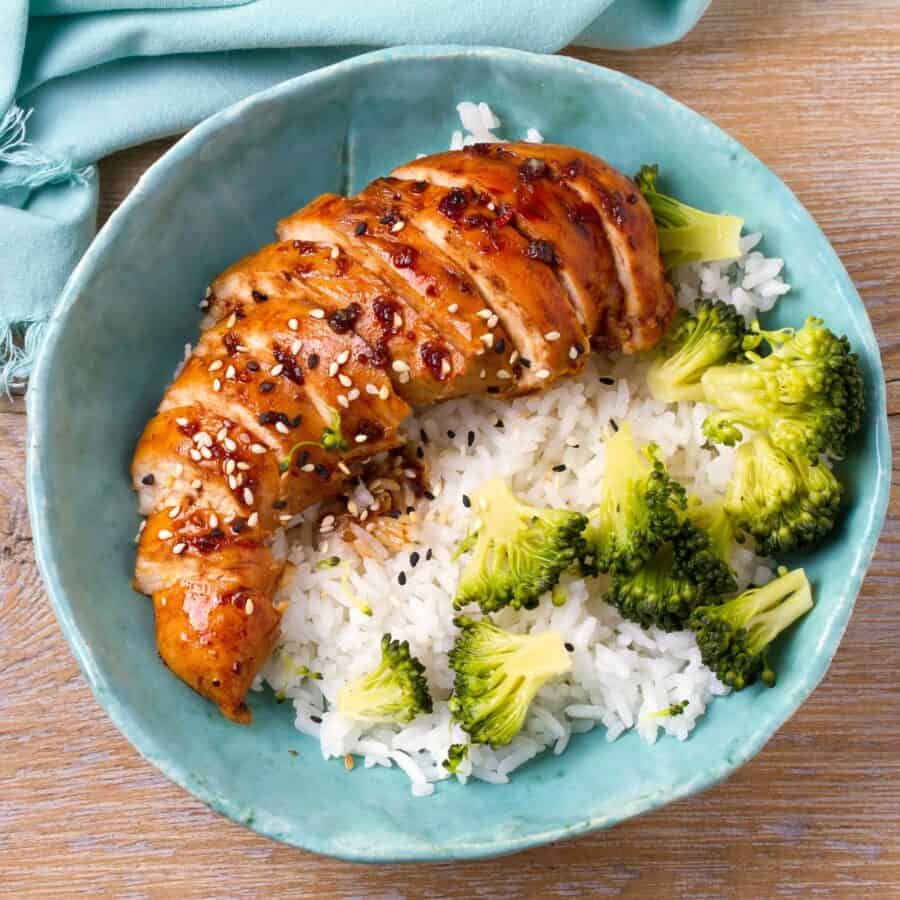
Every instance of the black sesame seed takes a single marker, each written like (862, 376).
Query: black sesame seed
(401, 578)
(259, 296)
(304, 458)
(414, 559)
(252, 365)
(217, 533)
(428, 495)
(360, 229)
(612, 422)
(313, 360)
(470, 438)
(429, 554)
(451, 435)
(394, 513)
(525, 362)
(410, 509)
(607, 380)
(148, 479)
(316, 719)
(423, 434)
(420, 453)
(266, 386)
(467, 503)
(498, 423)
(322, 471)
(560, 468)
(578, 348)
(279, 504)
(493, 389)
(500, 346)
(296, 421)
(238, 525)
(569, 647)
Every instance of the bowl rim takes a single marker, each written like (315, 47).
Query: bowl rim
(146, 744)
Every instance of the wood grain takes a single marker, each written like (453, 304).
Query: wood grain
(811, 88)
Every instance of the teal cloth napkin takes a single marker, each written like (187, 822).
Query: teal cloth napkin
(82, 78)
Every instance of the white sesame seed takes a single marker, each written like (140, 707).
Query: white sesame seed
(482, 373)
(542, 374)
(213, 520)
(257, 449)
(453, 307)
(573, 353)
(174, 512)
(504, 375)
(253, 519)
(205, 452)
(484, 313)
(179, 548)
(343, 401)
(398, 365)
(345, 380)
(248, 496)
(335, 252)
(352, 508)
(232, 482)
(196, 484)
(361, 438)
(229, 445)
(296, 346)
(195, 455)
(215, 365)
(514, 357)
(492, 322)
(410, 473)
(249, 607)
(293, 324)
(398, 226)
(182, 421)
(201, 437)
(217, 385)
(371, 389)
(445, 367)
(333, 369)
(229, 466)
(230, 372)
(232, 319)
(317, 313)
(342, 357)
(240, 348)
(222, 433)
(277, 369)
(353, 394)
(383, 392)
(488, 338)
(403, 378)
(282, 428)
(307, 468)
(552, 336)
(398, 321)
(164, 534)
(178, 470)
(343, 467)
(243, 466)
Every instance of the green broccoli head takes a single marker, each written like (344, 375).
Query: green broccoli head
(689, 569)
(396, 691)
(639, 508)
(456, 753)
(687, 234)
(733, 637)
(710, 336)
(807, 392)
(518, 551)
(785, 502)
(498, 675)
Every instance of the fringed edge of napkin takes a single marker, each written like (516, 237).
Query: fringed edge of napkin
(26, 167)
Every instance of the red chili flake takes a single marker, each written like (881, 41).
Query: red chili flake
(342, 320)
(404, 257)
(230, 340)
(385, 310)
(433, 356)
(291, 370)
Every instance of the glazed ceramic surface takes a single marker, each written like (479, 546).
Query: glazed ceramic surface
(119, 332)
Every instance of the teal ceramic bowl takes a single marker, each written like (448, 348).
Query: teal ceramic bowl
(118, 333)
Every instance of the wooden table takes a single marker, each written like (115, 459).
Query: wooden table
(812, 88)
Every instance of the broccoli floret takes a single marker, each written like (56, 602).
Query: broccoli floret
(518, 551)
(785, 502)
(639, 508)
(807, 393)
(733, 637)
(396, 691)
(710, 336)
(688, 570)
(687, 234)
(332, 440)
(670, 712)
(497, 676)
(456, 753)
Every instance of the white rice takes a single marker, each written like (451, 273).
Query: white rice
(621, 673)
